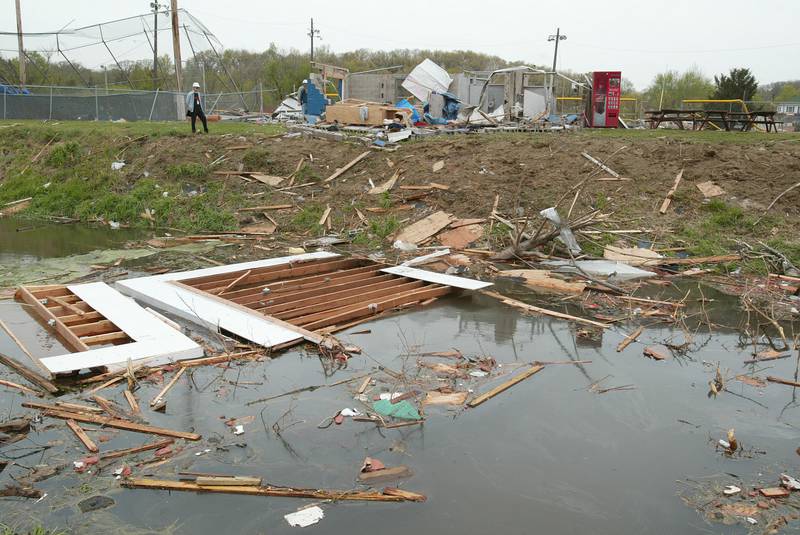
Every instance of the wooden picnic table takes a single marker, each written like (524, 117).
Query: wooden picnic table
(700, 119)
(656, 117)
(745, 121)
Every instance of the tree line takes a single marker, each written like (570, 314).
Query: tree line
(279, 72)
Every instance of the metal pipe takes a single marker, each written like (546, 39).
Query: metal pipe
(153, 107)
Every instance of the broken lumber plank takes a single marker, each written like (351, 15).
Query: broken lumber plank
(671, 193)
(131, 399)
(717, 259)
(339, 172)
(541, 278)
(386, 186)
(787, 382)
(505, 386)
(28, 374)
(776, 356)
(205, 361)
(424, 228)
(110, 382)
(75, 407)
(268, 207)
(385, 474)
(82, 436)
(318, 494)
(269, 180)
(774, 492)
(160, 396)
(115, 454)
(364, 385)
(532, 308)
(21, 388)
(601, 165)
(653, 353)
(61, 302)
(230, 481)
(54, 411)
(236, 281)
(630, 339)
(24, 349)
(107, 407)
(325, 215)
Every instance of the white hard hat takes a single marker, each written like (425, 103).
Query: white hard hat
(195, 84)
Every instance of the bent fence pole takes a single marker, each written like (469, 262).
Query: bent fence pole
(153, 107)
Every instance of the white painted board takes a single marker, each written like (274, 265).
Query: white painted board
(154, 341)
(438, 278)
(158, 292)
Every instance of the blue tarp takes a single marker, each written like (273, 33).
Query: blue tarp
(11, 90)
(404, 103)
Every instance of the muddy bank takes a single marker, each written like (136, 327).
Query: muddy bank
(171, 180)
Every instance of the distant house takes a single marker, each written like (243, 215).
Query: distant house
(788, 108)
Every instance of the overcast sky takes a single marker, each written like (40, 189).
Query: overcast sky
(638, 37)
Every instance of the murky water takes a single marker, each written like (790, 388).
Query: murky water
(547, 456)
(29, 240)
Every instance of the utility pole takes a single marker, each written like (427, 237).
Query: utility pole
(21, 48)
(155, 6)
(557, 37)
(313, 33)
(176, 44)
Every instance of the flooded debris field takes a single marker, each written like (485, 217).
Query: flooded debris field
(397, 352)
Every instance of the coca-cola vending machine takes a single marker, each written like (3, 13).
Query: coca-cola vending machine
(603, 109)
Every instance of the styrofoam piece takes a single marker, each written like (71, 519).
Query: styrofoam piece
(601, 268)
(154, 342)
(305, 517)
(159, 292)
(438, 278)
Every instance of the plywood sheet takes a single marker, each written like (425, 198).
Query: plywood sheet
(633, 256)
(424, 228)
(461, 237)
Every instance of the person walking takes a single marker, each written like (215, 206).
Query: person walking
(194, 107)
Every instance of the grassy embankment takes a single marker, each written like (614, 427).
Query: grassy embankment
(169, 173)
(73, 175)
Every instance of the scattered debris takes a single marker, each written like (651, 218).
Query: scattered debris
(305, 517)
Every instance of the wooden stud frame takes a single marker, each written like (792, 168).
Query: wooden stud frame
(277, 302)
(103, 328)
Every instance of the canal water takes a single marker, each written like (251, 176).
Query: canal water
(551, 455)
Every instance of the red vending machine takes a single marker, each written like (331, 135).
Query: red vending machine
(603, 107)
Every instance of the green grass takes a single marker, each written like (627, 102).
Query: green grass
(73, 178)
(379, 229)
(258, 159)
(721, 224)
(690, 136)
(187, 170)
(64, 155)
(36, 530)
(308, 218)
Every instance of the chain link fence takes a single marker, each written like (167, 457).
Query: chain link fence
(95, 103)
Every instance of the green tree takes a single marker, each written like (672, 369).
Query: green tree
(668, 89)
(739, 83)
(788, 93)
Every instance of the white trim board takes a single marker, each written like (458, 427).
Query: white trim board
(156, 291)
(438, 278)
(154, 342)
